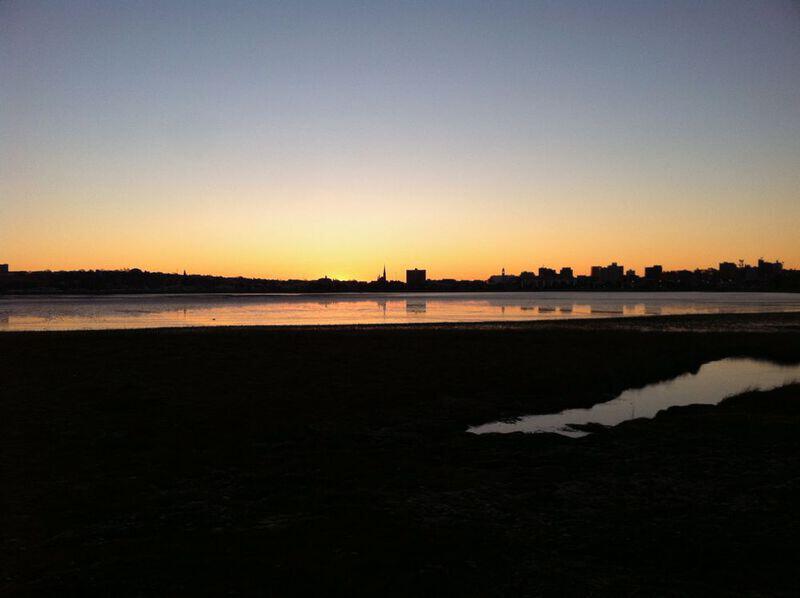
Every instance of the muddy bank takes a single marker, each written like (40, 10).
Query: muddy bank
(333, 460)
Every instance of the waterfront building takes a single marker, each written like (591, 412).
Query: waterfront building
(613, 273)
(416, 278)
(727, 270)
(503, 279)
(769, 269)
(653, 273)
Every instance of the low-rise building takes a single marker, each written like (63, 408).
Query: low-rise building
(503, 280)
(416, 278)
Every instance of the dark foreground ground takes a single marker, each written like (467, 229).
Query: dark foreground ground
(334, 462)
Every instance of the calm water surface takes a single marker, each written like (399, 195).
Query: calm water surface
(156, 311)
(710, 385)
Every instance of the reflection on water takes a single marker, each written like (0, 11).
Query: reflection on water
(150, 311)
(712, 383)
(416, 306)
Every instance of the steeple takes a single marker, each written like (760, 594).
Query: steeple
(384, 273)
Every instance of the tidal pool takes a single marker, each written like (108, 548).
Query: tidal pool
(712, 383)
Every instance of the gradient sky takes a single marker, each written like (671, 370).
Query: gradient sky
(298, 139)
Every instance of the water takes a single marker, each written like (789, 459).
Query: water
(156, 311)
(711, 384)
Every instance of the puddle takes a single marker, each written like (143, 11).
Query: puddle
(713, 382)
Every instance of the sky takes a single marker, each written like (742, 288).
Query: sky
(301, 139)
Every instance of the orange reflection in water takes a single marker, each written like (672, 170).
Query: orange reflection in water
(158, 311)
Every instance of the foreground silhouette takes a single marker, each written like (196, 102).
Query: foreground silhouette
(302, 462)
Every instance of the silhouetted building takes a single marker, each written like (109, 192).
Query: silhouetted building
(416, 278)
(323, 284)
(382, 277)
(768, 269)
(727, 270)
(611, 274)
(653, 273)
(547, 278)
(566, 274)
(3, 268)
(527, 280)
(706, 278)
(503, 280)
(750, 273)
(547, 274)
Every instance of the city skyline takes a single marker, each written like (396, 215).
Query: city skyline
(564, 271)
(397, 271)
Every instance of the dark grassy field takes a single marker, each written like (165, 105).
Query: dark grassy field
(334, 462)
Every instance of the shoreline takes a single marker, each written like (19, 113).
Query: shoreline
(743, 321)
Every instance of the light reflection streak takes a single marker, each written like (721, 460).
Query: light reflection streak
(153, 311)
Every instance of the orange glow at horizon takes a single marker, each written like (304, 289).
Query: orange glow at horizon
(353, 242)
(274, 142)
(465, 231)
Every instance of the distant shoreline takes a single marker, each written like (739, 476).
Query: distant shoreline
(766, 277)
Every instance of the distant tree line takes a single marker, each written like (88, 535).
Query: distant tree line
(729, 277)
